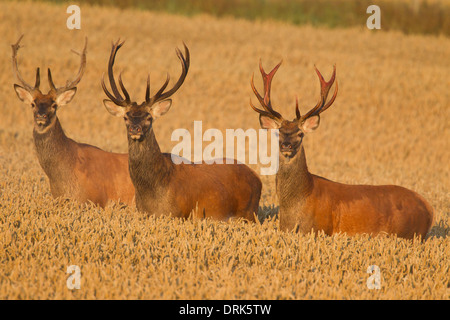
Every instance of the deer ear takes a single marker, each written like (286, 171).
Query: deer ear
(23, 94)
(269, 123)
(113, 108)
(310, 124)
(65, 97)
(161, 108)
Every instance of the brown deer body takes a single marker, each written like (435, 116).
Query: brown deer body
(309, 202)
(75, 170)
(219, 191)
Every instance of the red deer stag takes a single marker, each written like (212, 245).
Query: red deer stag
(219, 191)
(309, 202)
(75, 170)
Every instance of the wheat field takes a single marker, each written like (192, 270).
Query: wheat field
(389, 125)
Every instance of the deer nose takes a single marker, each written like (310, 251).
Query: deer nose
(135, 129)
(41, 117)
(286, 145)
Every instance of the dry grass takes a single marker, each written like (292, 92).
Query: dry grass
(408, 16)
(389, 124)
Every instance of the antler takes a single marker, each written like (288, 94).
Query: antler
(266, 102)
(159, 96)
(325, 89)
(15, 48)
(116, 98)
(77, 79)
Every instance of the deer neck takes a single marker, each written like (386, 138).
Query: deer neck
(54, 150)
(149, 168)
(293, 179)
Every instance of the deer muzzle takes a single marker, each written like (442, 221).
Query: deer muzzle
(41, 119)
(286, 149)
(135, 132)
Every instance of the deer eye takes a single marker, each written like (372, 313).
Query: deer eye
(33, 105)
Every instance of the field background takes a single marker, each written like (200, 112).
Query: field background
(389, 125)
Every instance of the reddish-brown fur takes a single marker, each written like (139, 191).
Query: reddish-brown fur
(309, 202)
(219, 191)
(368, 209)
(80, 171)
(75, 170)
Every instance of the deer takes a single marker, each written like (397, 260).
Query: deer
(310, 203)
(181, 190)
(75, 170)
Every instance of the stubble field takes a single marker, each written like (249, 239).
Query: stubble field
(389, 125)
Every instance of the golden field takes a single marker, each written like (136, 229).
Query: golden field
(389, 125)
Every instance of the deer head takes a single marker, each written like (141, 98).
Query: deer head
(139, 117)
(291, 132)
(45, 105)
